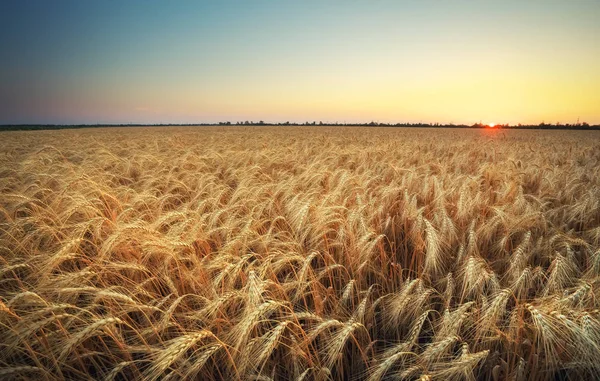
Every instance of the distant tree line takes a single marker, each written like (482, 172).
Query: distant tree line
(543, 125)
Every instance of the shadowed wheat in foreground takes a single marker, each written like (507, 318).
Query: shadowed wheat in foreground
(309, 254)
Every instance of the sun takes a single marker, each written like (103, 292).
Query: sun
(492, 125)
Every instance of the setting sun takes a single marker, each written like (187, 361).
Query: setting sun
(492, 125)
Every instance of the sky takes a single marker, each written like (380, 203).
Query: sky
(71, 62)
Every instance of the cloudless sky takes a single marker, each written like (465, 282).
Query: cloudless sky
(355, 61)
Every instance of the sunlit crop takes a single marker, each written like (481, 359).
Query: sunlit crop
(299, 253)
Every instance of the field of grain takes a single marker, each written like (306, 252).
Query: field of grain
(299, 253)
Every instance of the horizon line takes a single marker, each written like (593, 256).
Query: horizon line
(542, 125)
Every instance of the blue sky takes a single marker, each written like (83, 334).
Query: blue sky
(391, 61)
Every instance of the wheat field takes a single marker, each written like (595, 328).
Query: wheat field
(299, 254)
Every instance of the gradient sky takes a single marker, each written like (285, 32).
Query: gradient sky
(354, 61)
